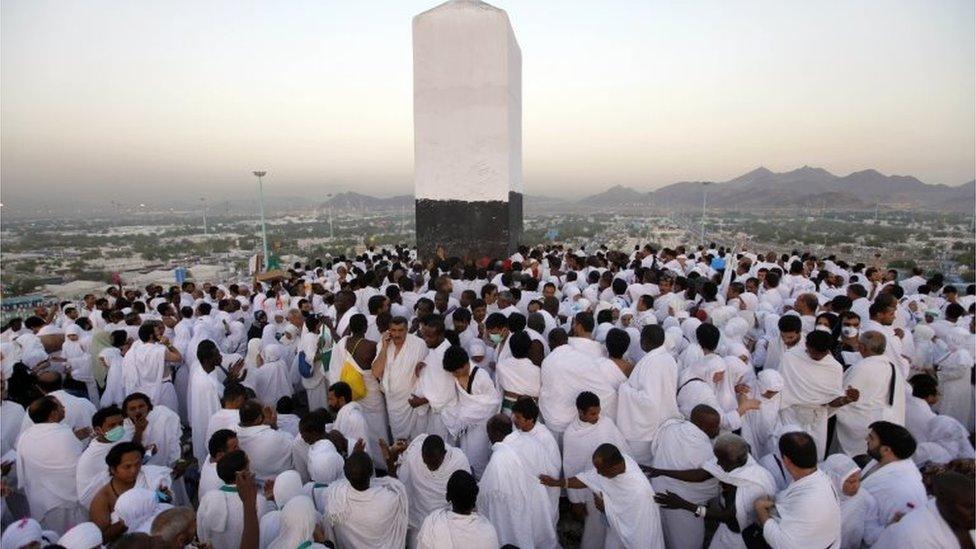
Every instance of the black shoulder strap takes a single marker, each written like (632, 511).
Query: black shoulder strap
(471, 378)
(687, 382)
(891, 385)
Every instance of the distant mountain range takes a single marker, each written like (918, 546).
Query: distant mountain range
(761, 188)
(804, 187)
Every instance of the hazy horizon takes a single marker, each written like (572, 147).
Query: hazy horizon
(149, 99)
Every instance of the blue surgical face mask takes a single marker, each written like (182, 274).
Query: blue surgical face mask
(115, 435)
(496, 338)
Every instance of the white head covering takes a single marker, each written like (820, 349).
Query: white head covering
(930, 452)
(948, 433)
(321, 461)
(287, 485)
(688, 327)
(721, 315)
(73, 329)
(477, 348)
(273, 352)
(253, 350)
(137, 507)
(839, 467)
(770, 380)
(670, 322)
(298, 520)
(674, 340)
(83, 536)
(23, 532)
(735, 329)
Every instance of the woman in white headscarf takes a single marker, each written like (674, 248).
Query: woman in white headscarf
(925, 348)
(86, 535)
(674, 341)
(287, 486)
(858, 509)
(111, 358)
(299, 526)
(234, 342)
(954, 371)
(758, 425)
(952, 436)
(733, 339)
(271, 379)
(137, 507)
(693, 352)
(74, 350)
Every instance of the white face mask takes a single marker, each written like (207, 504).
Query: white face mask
(822, 328)
(849, 331)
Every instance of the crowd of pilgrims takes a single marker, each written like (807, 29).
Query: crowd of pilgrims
(659, 398)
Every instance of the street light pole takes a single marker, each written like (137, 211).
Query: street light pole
(204, 204)
(264, 229)
(704, 202)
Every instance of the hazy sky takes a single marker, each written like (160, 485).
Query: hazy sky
(165, 97)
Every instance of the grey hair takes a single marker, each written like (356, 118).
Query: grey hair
(507, 296)
(874, 342)
(734, 447)
(172, 522)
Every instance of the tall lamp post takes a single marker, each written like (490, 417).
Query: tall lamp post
(204, 204)
(264, 230)
(704, 203)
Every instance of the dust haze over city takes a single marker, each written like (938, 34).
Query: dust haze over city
(855, 120)
(472, 274)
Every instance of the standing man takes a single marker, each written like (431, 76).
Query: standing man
(47, 458)
(808, 511)
(144, 367)
(395, 366)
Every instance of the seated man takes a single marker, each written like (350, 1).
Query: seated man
(460, 527)
(362, 511)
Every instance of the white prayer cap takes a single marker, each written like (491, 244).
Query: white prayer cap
(86, 535)
(287, 485)
(126, 310)
(477, 348)
(137, 507)
(73, 329)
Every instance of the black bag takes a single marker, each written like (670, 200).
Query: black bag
(752, 536)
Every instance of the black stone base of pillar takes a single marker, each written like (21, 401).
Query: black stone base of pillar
(469, 230)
